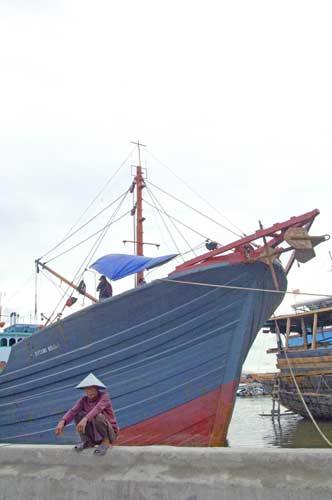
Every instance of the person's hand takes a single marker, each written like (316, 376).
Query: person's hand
(59, 428)
(81, 425)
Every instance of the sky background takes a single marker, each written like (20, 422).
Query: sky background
(233, 98)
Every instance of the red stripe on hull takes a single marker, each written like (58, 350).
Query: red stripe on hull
(200, 422)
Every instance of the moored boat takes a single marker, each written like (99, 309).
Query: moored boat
(171, 351)
(13, 334)
(306, 356)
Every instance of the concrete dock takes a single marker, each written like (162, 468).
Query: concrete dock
(164, 473)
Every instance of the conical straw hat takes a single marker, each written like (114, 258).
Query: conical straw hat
(89, 381)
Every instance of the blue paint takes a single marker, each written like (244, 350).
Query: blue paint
(156, 347)
(118, 265)
(321, 336)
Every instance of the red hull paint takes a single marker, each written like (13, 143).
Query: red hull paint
(201, 422)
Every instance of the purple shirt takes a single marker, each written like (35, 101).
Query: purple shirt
(102, 404)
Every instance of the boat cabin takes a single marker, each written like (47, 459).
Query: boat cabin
(310, 327)
(13, 334)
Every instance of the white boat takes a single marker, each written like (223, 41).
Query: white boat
(13, 334)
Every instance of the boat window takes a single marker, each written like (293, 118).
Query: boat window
(12, 341)
(19, 340)
(3, 342)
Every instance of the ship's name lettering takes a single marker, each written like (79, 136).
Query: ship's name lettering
(47, 349)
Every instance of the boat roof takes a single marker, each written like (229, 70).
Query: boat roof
(324, 318)
(20, 328)
(311, 305)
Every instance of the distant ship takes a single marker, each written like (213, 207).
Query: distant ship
(13, 334)
(171, 351)
(306, 355)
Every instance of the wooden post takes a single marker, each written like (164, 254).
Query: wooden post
(279, 341)
(314, 331)
(288, 325)
(269, 260)
(304, 333)
(139, 211)
(62, 278)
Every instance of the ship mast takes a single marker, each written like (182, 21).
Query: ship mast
(139, 181)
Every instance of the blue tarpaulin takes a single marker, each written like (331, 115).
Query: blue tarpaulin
(117, 265)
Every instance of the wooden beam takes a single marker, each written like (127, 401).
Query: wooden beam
(70, 283)
(292, 222)
(303, 314)
(304, 334)
(288, 377)
(314, 331)
(288, 326)
(296, 348)
(300, 362)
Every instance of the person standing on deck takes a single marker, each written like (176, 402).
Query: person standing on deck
(104, 288)
(94, 416)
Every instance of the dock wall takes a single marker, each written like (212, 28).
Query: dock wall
(164, 473)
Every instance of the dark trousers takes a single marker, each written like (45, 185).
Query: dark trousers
(97, 429)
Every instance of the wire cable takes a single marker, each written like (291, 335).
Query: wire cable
(89, 237)
(56, 286)
(177, 220)
(101, 190)
(155, 199)
(81, 227)
(195, 210)
(244, 288)
(164, 222)
(199, 196)
(79, 273)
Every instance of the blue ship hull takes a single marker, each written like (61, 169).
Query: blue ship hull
(164, 350)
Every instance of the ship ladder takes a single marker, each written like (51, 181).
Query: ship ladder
(275, 411)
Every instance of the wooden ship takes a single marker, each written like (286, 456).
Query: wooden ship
(170, 351)
(304, 353)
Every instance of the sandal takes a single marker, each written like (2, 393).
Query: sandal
(101, 450)
(83, 446)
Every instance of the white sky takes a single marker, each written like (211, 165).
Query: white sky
(235, 97)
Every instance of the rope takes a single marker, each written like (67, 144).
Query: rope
(102, 236)
(155, 199)
(89, 237)
(159, 230)
(177, 220)
(81, 227)
(79, 273)
(197, 211)
(68, 235)
(233, 287)
(167, 229)
(197, 194)
(52, 281)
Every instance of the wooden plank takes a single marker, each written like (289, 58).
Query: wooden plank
(312, 366)
(296, 348)
(312, 373)
(302, 314)
(314, 331)
(288, 326)
(304, 334)
(304, 360)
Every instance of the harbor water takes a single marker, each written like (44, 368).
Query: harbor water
(249, 428)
